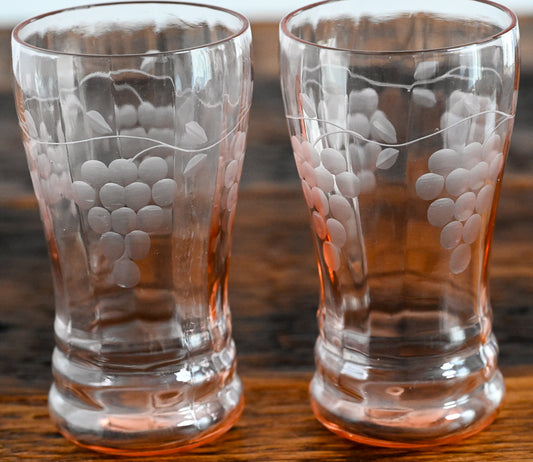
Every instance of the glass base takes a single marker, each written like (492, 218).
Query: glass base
(378, 415)
(144, 435)
(144, 413)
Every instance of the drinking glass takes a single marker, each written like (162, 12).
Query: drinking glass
(134, 119)
(400, 116)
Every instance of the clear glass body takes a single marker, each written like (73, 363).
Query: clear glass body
(134, 121)
(400, 117)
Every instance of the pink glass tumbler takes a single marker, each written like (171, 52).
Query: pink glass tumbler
(134, 119)
(400, 116)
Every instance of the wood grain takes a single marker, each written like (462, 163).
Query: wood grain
(278, 425)
(273, 295)
(265, 42)
(273, 291)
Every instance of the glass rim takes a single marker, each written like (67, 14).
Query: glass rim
(288, 17)
(245, 25)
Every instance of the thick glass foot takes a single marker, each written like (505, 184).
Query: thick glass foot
(138, 414)
(409, 422)
(148, 434)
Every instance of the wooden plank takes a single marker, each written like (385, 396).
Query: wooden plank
(273, 294)
(278, 425)
(266, 50)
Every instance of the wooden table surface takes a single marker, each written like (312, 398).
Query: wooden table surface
(273, 295)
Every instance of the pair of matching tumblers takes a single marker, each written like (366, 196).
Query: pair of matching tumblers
(134, 119)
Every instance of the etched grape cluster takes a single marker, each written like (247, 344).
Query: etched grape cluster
(125, 202)
(460, 179)
(462, 176)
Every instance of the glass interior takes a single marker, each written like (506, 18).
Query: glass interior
(410, 25)
(123, 28)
